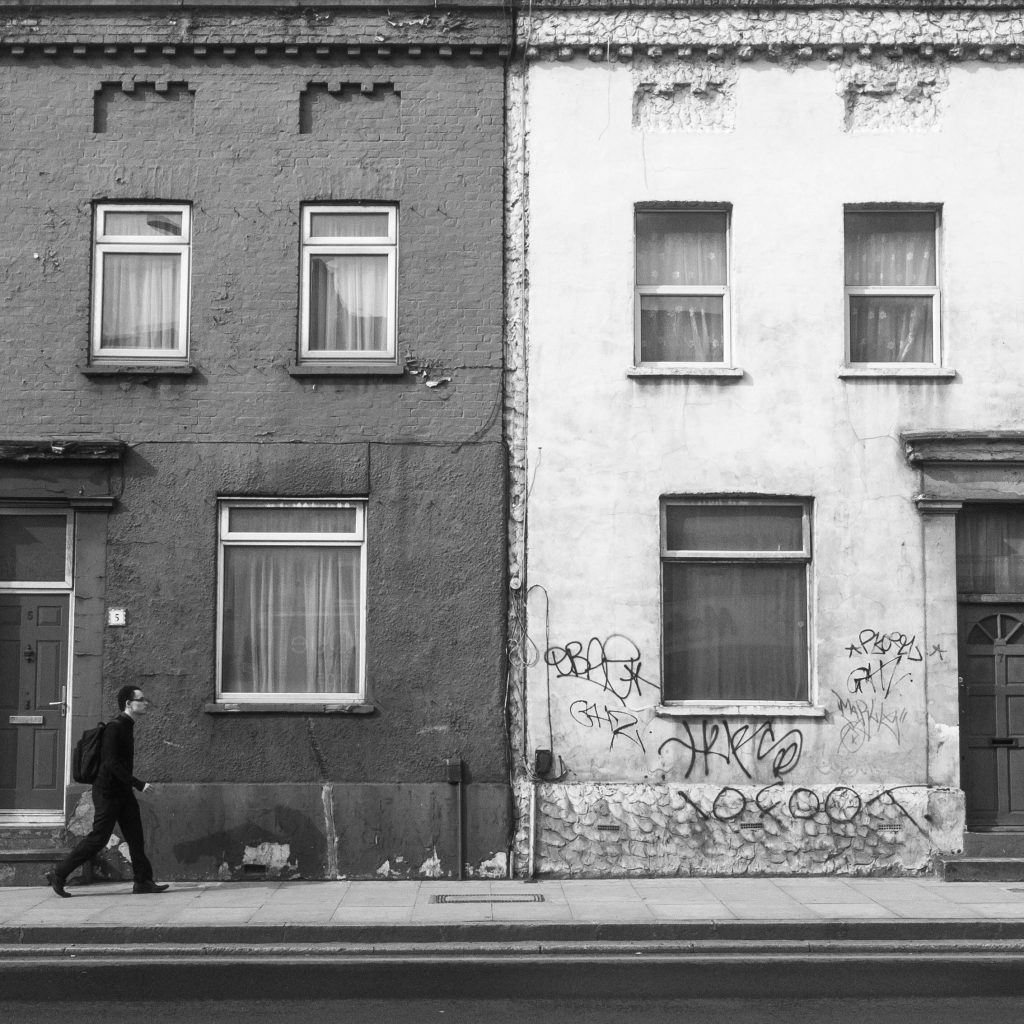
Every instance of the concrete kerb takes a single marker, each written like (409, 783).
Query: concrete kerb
(480, 934)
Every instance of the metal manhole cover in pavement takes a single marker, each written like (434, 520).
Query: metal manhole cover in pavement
(451, 897)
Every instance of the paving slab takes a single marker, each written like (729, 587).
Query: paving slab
(620, 910)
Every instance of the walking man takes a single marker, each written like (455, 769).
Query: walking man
(114, 800)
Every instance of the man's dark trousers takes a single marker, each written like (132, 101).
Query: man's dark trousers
(111, 809)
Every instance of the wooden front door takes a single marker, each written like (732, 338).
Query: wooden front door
(33, 700)
(992, 713)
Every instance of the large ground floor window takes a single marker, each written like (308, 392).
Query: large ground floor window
(292, 598)
(734, 599)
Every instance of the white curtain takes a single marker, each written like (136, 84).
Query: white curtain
(141, 294)
(348, 303)
(890, 250)
(681, 329)
(291, 620)
(681, 249)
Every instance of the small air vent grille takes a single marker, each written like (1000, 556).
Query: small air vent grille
(468, 897)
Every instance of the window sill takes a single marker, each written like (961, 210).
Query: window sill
(906, 372)
(752, 709)
(136, 369)
(349, 369)
(704, 372)
(289, 708)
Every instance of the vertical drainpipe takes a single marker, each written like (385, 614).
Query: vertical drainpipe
(453, 773)
(530, 864)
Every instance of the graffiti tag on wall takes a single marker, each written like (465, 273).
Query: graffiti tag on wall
(743, 746)
(873, 702)
(613, 665)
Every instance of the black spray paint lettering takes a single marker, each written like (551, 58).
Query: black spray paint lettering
(613, 664)
(620, 723)
(886, 654)
(864, 719)
(841, 805)
(745, 746)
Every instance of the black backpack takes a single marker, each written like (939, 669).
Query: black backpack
(85, 759)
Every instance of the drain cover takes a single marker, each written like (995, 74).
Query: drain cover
(466, 897)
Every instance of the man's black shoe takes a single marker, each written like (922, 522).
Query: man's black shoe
(149, 886)
(56, 883)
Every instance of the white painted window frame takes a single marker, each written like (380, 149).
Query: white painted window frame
(104, 243)
(907, 291)
(45, 586)
(383, 245)
(703, 291)
(802, 708)
(227, 538)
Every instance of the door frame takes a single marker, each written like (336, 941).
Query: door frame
(994, 605)
(27, 817)
(952, 467)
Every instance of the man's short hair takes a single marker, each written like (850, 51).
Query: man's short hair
(124, 695)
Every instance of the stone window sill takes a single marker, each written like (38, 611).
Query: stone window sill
(288, 708)
(351, 369)
(897, 372)
(136, 369)
(751, 709)
(702, 372)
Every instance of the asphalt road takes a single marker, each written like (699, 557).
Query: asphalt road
(593, 978)
(543, 1011)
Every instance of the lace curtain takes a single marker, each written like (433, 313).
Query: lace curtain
(348, 303)
(681, 249)
(890, 250)
(141, 300)
(291, 620)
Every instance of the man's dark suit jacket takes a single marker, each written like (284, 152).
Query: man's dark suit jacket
(117, 758)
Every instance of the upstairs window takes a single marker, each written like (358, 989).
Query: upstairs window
(892, 292)
(682, 287)
(349, 268)
(734, 599)
(141, 282)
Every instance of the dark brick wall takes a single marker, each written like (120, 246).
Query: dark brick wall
(430, 458)
(246, 169)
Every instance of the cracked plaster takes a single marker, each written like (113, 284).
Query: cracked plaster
(684, 95)
(761, 29)
(891, 95)
(598, 831)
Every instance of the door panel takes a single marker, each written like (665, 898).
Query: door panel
(979, 782)
(8, 757)
(45, 766)
(33, 686)
(992, 712)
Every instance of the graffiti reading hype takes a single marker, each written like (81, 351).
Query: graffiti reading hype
(743, 746)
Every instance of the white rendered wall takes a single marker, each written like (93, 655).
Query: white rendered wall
(602, 448)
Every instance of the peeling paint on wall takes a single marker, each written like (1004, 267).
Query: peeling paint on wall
(431, 867)
(330, 832)
(496, 867)
(80, 823)
(274, 857)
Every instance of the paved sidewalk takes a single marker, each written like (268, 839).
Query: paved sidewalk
(894, 909)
